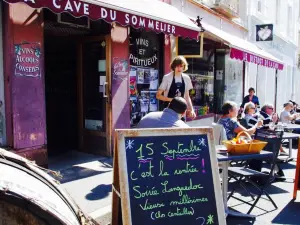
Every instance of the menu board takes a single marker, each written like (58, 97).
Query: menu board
(190, 47)
(169, 176)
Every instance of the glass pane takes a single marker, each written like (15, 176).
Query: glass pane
(94, 111)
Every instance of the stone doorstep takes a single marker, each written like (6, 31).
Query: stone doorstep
(102, 215)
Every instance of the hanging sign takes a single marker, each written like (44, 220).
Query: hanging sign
(190, 48)
(166, 176)
(28, 60)
(264, 32)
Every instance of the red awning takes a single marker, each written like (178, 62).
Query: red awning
(148, 14)
(254, 58)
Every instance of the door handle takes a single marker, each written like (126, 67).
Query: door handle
(104, 90)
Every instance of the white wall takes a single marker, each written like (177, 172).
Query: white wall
(2, 109)
(284, 84)
(233, 80)
(250, 76)
(297, 85)
(266, 79)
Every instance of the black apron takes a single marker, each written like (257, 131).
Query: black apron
(176, 90)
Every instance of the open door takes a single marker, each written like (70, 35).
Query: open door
(94, 95)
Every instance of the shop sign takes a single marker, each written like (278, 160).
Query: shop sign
(264, 32)
(145, 55)
(120, 68)
(28, 60)
(95, 12)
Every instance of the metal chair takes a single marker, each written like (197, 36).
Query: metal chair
(246, 174)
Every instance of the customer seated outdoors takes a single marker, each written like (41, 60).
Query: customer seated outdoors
(229, 121)
(268, 115)
(169, 117)
(250, 116)
(285, 115)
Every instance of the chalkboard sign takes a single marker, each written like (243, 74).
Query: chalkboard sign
(168, 176)
(190, 48)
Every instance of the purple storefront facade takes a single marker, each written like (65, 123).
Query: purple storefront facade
(24, 66)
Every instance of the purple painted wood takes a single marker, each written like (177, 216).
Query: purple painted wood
(26, 77)
(120, 90)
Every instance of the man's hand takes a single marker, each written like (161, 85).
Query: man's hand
(191, 114)
(260, 123)
(274, 117)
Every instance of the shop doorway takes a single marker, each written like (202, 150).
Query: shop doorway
(77, 87)
(93, 94)
(61, 95)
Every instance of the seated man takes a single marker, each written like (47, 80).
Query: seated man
(268, 114)
(285, 115)
(169, 117)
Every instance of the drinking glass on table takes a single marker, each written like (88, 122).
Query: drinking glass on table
(272, 126)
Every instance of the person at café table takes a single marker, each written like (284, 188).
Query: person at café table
(295, 110)
(268, 115)
(250, 116)
(250, 98)
(229, 121)
(285, 115)
(270, 118)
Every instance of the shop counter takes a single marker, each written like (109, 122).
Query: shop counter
(203, 120)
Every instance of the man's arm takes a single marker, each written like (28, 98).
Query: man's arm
(160, 96)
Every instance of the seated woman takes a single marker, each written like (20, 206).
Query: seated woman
(228, 120)
(250, 116)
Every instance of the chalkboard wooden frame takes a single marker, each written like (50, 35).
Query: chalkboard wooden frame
(192, 56)
(120, 180)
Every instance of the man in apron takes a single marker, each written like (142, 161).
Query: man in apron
(177, 84)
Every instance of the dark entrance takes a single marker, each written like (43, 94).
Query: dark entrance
(61, 94)
(65, 95)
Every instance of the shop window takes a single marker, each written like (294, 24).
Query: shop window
(201, 73)
(145, 73)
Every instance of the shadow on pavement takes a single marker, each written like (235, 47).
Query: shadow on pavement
(239, 221)
(289, 214)
(99, 192)
(77, 173)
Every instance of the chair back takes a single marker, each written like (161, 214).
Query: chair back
(219, 133)
(274, 139)
(244, 123)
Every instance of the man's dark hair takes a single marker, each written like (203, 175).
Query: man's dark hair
(178, 104)
(294, 103)
(227, 107)
(251, 89)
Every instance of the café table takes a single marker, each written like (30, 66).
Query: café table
(290, 137)
(291, 126)
(224, 159)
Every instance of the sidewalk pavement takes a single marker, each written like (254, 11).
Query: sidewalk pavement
(87, 178)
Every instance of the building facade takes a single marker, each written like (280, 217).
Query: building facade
(272, 86)
(237, 61)
(71, 70)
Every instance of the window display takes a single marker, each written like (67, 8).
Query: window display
(144, 74)
(202, 94)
